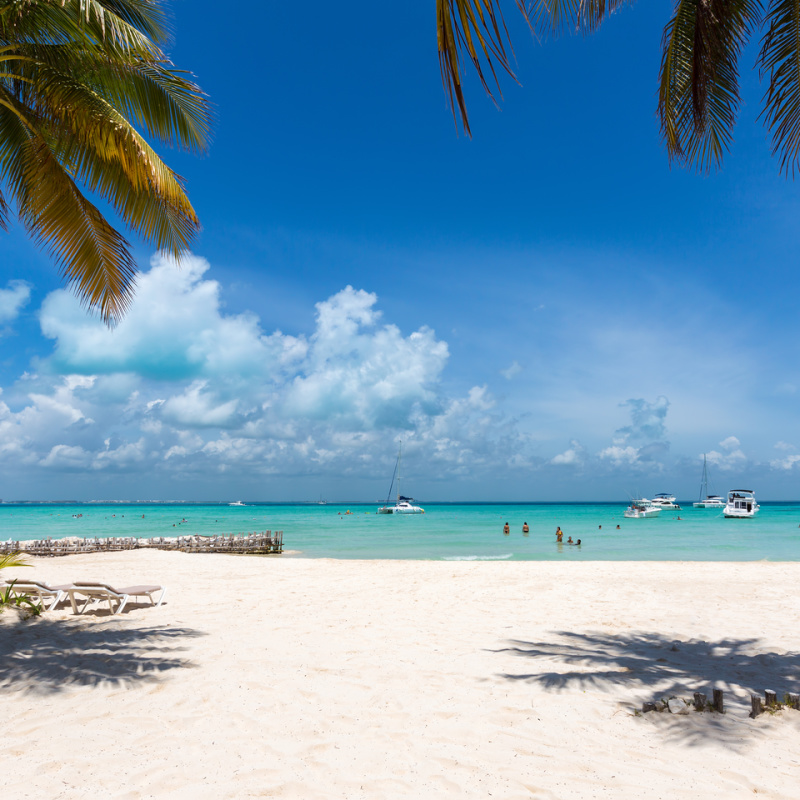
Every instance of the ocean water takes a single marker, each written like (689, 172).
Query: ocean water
(444, 532)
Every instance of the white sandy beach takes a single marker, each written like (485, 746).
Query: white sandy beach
(292, 678)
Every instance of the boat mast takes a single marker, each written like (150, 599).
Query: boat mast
(704, 485)
(399, 453)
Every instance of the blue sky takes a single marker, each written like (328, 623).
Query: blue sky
(547, 311)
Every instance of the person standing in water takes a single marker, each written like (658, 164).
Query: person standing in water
(559, 534)
(525, 528)
(506, 529)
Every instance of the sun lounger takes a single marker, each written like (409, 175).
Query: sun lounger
(98, 592)
(49, 596)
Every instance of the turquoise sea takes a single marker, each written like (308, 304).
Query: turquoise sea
(444, 532)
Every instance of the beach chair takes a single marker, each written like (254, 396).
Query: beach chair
(95, 591)
(48, 596)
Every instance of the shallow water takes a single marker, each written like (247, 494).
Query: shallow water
(449, 532)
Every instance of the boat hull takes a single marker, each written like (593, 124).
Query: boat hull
(641, 514)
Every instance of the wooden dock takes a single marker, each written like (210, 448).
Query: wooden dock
(266, 543)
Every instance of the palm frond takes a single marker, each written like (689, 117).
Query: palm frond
(570, 16)
(13, 560)
(699, 83)
(780, 60)
(78, 78)
(93, 257)
(477, 29)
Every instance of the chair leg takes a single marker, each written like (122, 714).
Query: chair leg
(122, 604)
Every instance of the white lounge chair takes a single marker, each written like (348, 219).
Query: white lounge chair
(95, 591)
(49, 596)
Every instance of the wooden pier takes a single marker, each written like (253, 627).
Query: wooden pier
(266, 543)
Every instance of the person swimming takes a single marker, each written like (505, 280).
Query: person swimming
(578, 542)
(569, 541)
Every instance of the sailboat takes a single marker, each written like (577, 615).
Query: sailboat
(708, 500)
(403, 505)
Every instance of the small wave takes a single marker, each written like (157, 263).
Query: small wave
(478, 558)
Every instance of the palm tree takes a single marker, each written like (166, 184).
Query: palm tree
(76, 79)
(698, 95)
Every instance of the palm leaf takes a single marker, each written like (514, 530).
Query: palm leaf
(780, 59)
(699, 83)
(567, 16)
(77, 78)
(477, 29)
(13, 560)
(91, 255)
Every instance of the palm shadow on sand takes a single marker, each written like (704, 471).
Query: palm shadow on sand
(648, 666)
(47, 656)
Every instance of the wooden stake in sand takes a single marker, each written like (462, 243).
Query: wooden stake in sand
(755, 705)
(719, 701)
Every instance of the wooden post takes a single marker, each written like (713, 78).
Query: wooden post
(755, 705)
(700, 701)
(794, 701)
(770, 698)
(719, 702)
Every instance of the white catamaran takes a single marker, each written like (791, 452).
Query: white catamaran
(403, 504)
(708, 500)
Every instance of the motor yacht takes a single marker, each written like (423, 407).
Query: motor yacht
(741, 504)
(664, 500)
(642, 508)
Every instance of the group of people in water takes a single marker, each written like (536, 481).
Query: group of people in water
(559, 533)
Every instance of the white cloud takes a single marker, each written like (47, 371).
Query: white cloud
(620, 455)
(13, 300)
(730, 444)
(785, 463)
(182, 386)
(511, 371)
(732, 458)
(573, 456)
(783, 446)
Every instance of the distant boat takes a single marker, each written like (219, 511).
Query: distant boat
(403, 505)
(237, 503)
(707, 500)
(741, 504)
(641, 508)
(664, 500)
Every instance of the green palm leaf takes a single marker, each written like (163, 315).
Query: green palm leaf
(780, 60)
(699, 92)
(475, 28)
(78, 79)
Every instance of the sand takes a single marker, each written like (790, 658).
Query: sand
(295, 678)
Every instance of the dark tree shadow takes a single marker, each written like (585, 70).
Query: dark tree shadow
(649, 666)
(51, 655)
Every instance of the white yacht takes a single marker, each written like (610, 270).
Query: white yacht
(741, 504)
(237, 503)
(403, 505)
(642, 508)
(708, 500)
(664, 500)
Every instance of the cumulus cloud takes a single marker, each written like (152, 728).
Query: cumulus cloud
(786, 463)
(13, 300)
(642, 443)
(573, 456)
(511, 371)
(648, 420)
(732, 456)
(183, 387)
(620, 455)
